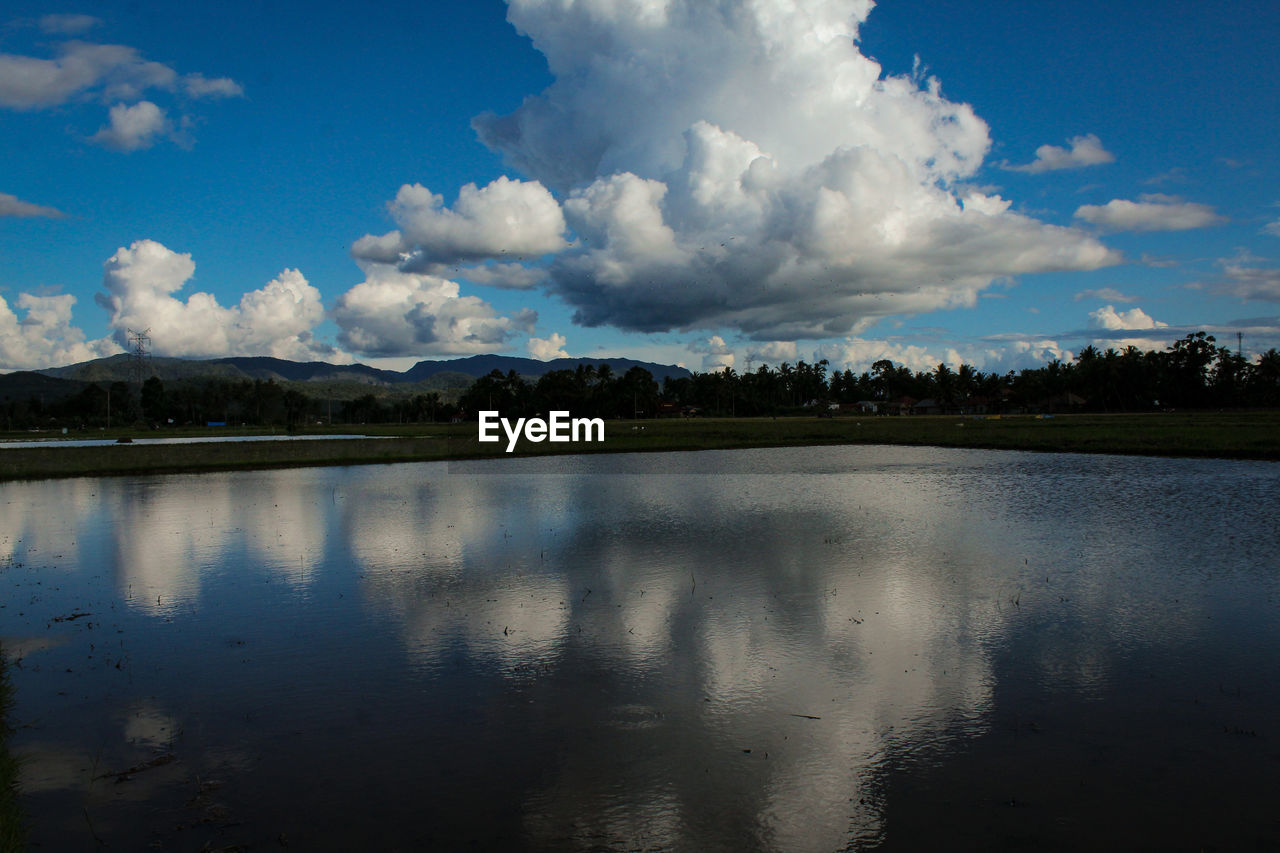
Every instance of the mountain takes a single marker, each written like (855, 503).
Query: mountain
(27, 385)
(449, 373)
(482, 365)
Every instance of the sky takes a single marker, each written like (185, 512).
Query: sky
(713, 184)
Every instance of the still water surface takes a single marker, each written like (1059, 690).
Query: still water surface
(786, 649)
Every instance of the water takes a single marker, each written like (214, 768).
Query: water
(785, 649)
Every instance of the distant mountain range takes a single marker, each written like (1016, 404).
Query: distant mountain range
(425, 375)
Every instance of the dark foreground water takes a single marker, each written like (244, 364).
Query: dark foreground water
(799, 649)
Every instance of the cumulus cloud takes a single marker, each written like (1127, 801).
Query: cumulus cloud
(1154, 212)
(1083, 151)
(1012, 352)
(773, 352)
(738, 165)
(1120, 329)
(716, 354)
(545, 349)
(506, 218)
(1109, 294)
(43, 336)
(11, 205)
(275, 320)
(133, 127)
(68, 25)
(397, 313)
(858, 354)
(998, 354)
(511, 276)
(1109, 318)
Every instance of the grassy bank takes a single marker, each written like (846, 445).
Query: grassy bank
(1239, 435)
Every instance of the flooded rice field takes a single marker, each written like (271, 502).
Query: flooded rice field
(803, 649)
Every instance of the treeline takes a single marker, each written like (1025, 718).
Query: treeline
(240, 402)
(1193, 373)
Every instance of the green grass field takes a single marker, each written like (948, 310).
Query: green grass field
(1237, 435)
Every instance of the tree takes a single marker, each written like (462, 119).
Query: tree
(1186, 375)
(944, 384)
(153, 401)
(122, 408)
(1264, 381)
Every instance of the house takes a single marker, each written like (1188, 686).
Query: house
(669, 410)
(898, 405)
(1064, 402)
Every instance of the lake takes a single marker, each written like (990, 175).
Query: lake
(797, 649)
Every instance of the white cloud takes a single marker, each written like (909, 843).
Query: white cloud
(1153, 212)
(1245, 277)
(106, 72)
(998, 354)
(773, 352)
(1109, 294)
(68, 25)
(199, 86)
(133, 127)
(545, 349)
(43, 336)
(389, 248)
(858, 354)
(1272, 228)
(1109, 318)
(392, 314)
(511, 276)
(1084, 151)
(275, 320)
(11, 205)
(396, 313)
(1135, 320)
(717, 355)
(741, 165)
(507, 218)
(1017, 353)
(115, 71)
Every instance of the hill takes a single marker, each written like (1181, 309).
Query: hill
(316, 378)
(482, 365)
(27, 385)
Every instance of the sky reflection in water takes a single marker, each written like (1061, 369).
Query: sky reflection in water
(800, 649)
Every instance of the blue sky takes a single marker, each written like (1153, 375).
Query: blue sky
(706, 184)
